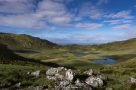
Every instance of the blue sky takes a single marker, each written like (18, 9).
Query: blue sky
(70, 21)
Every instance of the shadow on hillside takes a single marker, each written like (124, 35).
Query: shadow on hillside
(124, 57)
(26, 51)
(7, 56)
(50, 64)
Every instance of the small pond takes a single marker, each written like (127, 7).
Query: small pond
(106, 61)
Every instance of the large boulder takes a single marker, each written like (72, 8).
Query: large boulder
(56, 73)
(65, 79)
(53, 71)
(60, 73)
(69, 75)
(94, 81)
(132, 80)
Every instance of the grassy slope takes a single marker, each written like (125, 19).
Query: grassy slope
(124, 51)
(24, 41)
(120, 45)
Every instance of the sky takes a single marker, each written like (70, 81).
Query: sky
(70, 21)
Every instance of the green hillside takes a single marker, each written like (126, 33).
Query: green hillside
(120, 45)
(24, 41)
(22, 53)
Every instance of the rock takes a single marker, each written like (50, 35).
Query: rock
(51, 77)
(38, 88)
(69, 75)
(89, 72)
(53, 71)
(64, 83)
(36, 73)
(28, 73)
(60, 73)
(17, 85)
(94, 81)
(71, 87)
(56, 73)
(64, 79)
(59, 76)
(132, 80)
(79, 83)
(109, 88)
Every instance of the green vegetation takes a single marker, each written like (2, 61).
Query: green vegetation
(24, 41)
(20, 54)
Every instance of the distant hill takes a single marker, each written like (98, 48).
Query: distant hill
(119, 45)
(24, 41)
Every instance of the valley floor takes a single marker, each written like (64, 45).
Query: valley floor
(78, 59)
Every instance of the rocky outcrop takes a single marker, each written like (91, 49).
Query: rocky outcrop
(69, 75)
(59, 73)
(66, 79)
(94, 81)
(133, 80)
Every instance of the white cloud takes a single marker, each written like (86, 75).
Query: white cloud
(128, 30)
(89, 26)
(118, 21)
(27, 21)
(16, 6)
(123, 26)
(90, 10)
(22, 14)
(121, 14)
(54, 12)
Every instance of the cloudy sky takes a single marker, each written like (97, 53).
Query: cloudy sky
(70, 21)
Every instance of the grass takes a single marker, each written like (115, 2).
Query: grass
(118, 74)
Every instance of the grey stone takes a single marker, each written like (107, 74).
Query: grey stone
(79, 83)
(36, 73)
(108, 88)
(94, 81)
(64, 83)
(69, 75)
(132, 80)
(17, 85)
(56, 73)
(89, 72)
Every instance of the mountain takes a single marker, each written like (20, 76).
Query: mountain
(119, 45)
(24, 41)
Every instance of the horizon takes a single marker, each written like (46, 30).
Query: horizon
(70, 43)
(72, 21)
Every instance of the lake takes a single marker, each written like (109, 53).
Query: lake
(106, 61)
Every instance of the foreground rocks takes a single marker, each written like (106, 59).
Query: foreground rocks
(34, 74)
(133, 80)
(66, 79)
